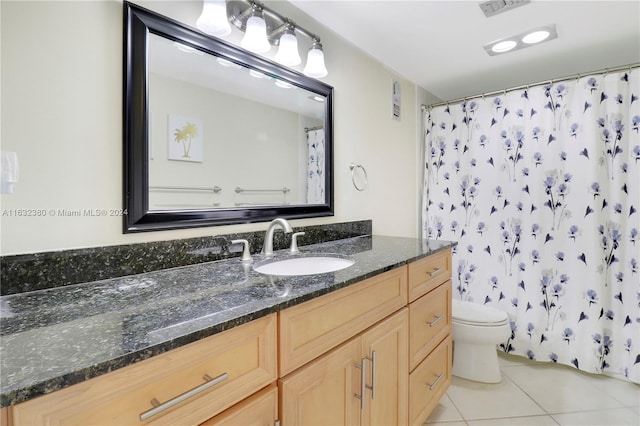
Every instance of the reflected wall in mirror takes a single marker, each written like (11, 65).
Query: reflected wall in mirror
(217, 135)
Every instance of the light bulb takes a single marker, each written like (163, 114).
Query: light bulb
(504, 46)
(213, 19)
(315, 62)
(288, 50)
(255, 37)
(536, 37)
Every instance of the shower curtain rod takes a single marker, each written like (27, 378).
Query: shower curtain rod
(310, 129)
(424, 107)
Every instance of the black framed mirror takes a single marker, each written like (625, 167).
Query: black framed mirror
(215, 135)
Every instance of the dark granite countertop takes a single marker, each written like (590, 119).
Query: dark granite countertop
(53, 338)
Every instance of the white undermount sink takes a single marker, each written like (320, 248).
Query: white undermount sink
(308, 265)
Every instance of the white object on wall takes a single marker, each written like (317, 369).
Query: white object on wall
(9, 171)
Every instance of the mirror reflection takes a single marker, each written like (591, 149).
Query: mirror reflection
(216, 135)
(222, 135)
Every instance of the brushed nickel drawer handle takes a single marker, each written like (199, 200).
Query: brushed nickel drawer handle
(435, 272)
(159, 408)
(434, 384)
(435, 321)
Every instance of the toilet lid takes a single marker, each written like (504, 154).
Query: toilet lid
(472, 313)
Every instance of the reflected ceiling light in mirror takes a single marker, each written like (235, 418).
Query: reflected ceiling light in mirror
(257, 74)
(187, 49)
(213, 19)
(283, 85)
(255, 37)
(288, 48)
(315, 61)
(227, 63)
(316, 98)
(522, 40)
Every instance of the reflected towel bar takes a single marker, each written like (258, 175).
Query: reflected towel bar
(283, 190)
(215, 189)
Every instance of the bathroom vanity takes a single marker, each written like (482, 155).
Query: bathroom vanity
(367, 344)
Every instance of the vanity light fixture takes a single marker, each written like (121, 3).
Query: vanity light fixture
(522, 40)
(213, 19)
(315, 61)
(264, 27)
(255, 36)
(288, 47)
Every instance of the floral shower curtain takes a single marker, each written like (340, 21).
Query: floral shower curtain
(315, 167)
(541, 190)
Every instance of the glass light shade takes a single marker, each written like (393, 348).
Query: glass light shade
(536, 37)
(315, 67)
(255, 37)
(213, 19)
(504, 46)
(288, 50)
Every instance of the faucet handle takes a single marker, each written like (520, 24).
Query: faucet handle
(294, 242)
(246, 254)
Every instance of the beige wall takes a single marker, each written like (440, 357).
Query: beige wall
(62, 113)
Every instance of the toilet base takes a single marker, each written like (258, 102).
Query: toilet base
(479, 363)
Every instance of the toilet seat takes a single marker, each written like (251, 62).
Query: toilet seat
(478, 315)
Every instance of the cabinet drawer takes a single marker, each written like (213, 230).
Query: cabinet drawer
(260, 409)
(429, 322)
(428, 273)
(244, 358)
(314, 327)
(429, 381)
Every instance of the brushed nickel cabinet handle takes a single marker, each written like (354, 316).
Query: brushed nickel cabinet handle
(373, 375)
(436, 272)
(363, 379)
(435, 321)
(159, 408)
(434, 384)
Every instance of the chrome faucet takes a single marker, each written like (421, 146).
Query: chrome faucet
(267, 249)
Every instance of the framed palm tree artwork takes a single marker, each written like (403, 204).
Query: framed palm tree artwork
(185, 139)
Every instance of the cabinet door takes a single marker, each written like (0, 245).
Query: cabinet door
(385, 348)
(260, 409)
(324, 392)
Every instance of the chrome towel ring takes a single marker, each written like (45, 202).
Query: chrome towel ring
(353, 167)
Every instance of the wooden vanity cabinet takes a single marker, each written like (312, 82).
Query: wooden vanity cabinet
(375, 352)
(362, 382)
(240, 361)
(430, 344)
(260, 409)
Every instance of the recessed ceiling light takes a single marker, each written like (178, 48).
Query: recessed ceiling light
(522, 40)
(536, 37)
(504, 46)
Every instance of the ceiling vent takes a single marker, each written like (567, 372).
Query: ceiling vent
(494, 7)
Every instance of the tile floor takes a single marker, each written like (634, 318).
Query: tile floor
(539, 394)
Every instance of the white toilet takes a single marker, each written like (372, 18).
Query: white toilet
(476, 330)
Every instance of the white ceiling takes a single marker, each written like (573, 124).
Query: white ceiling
(438, 44)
